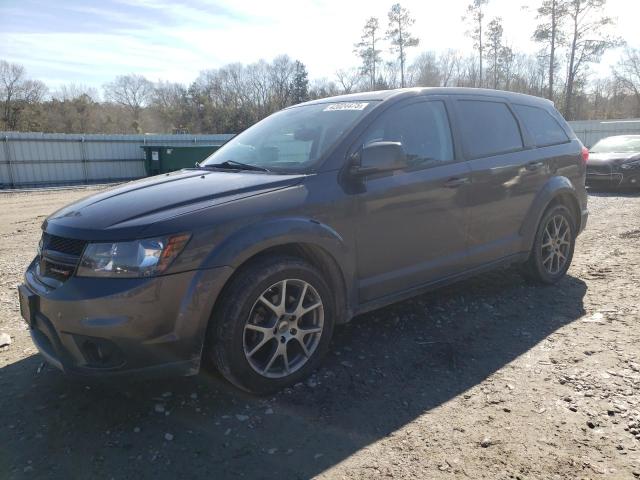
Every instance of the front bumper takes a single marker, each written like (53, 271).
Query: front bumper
(613, 176)
(109, 327)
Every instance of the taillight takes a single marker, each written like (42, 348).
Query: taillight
(585, 155)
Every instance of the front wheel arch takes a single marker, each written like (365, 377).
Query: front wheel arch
(319, 258)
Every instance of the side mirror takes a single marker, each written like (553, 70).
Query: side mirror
(378, 157)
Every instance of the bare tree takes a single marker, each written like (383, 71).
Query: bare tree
(627, 74)
(235, 96)
(17, 93)
(587, 42)
(73, 91)
(12, 76)
(506, 61)
(282, 72)
(425, 71)
(548, 32)
(475, 17)
(389, 76)
(322, 88)
(349, 79)
(449, 66)
(400, 21)
(168, 102)
(468, 75)
(73, 108)
(131, 91)
(260, 87)
(367, 49)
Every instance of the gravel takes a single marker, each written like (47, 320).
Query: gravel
(490, 378)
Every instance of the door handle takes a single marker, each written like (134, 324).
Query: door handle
(531, 166)
(455, 182)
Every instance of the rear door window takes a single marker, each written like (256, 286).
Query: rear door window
(488, 128)
(545, 129)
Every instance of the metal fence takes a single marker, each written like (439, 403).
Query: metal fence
(37, 159)
(590, 131)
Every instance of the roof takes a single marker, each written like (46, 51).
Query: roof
(381, 95)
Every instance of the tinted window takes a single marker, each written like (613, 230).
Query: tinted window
(488, 128)
(422, 128)
(544, 128)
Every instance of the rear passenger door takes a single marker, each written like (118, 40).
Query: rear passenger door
(506, 175)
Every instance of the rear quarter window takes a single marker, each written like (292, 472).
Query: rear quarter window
(488, 128)
(545, 129)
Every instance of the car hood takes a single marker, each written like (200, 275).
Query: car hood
(607, 158)
(150, 200)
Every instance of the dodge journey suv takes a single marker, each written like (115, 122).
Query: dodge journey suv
(318, 213)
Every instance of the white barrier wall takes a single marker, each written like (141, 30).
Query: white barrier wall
(43, 159)
(590, 131)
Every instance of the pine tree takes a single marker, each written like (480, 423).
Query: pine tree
(551, 14)
(300, 86)
(475, 16)
(367, 51)
(400, 21)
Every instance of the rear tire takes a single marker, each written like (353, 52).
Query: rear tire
(272, 325)
(553, 246)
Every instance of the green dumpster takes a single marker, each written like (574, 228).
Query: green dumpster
(167, 158)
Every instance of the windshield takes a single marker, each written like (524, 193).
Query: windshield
(291, 140)
(622, 144)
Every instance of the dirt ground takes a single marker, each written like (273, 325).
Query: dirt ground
(489, 378)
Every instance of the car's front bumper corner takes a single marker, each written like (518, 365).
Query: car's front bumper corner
(120, 327)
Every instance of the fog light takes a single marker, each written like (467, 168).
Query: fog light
(99, 352)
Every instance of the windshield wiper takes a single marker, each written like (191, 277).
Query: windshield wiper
(233, 165)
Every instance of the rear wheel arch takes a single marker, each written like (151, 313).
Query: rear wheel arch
(569, 201)
(558, 191)
(552, 251)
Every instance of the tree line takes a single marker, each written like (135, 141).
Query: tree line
(572, 35)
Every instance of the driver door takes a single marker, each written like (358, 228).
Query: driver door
(411, 227)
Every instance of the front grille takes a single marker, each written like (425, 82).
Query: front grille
(60, 256)
(70, 246)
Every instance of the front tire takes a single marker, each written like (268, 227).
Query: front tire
(553, 246)
(273, 324)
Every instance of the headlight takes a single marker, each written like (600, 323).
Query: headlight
(631, 164)
(139, 258)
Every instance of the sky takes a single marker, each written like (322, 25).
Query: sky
(91, 42)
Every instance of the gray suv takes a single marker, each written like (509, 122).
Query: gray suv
(318, 213)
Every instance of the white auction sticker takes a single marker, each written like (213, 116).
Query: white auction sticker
(346, 106)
